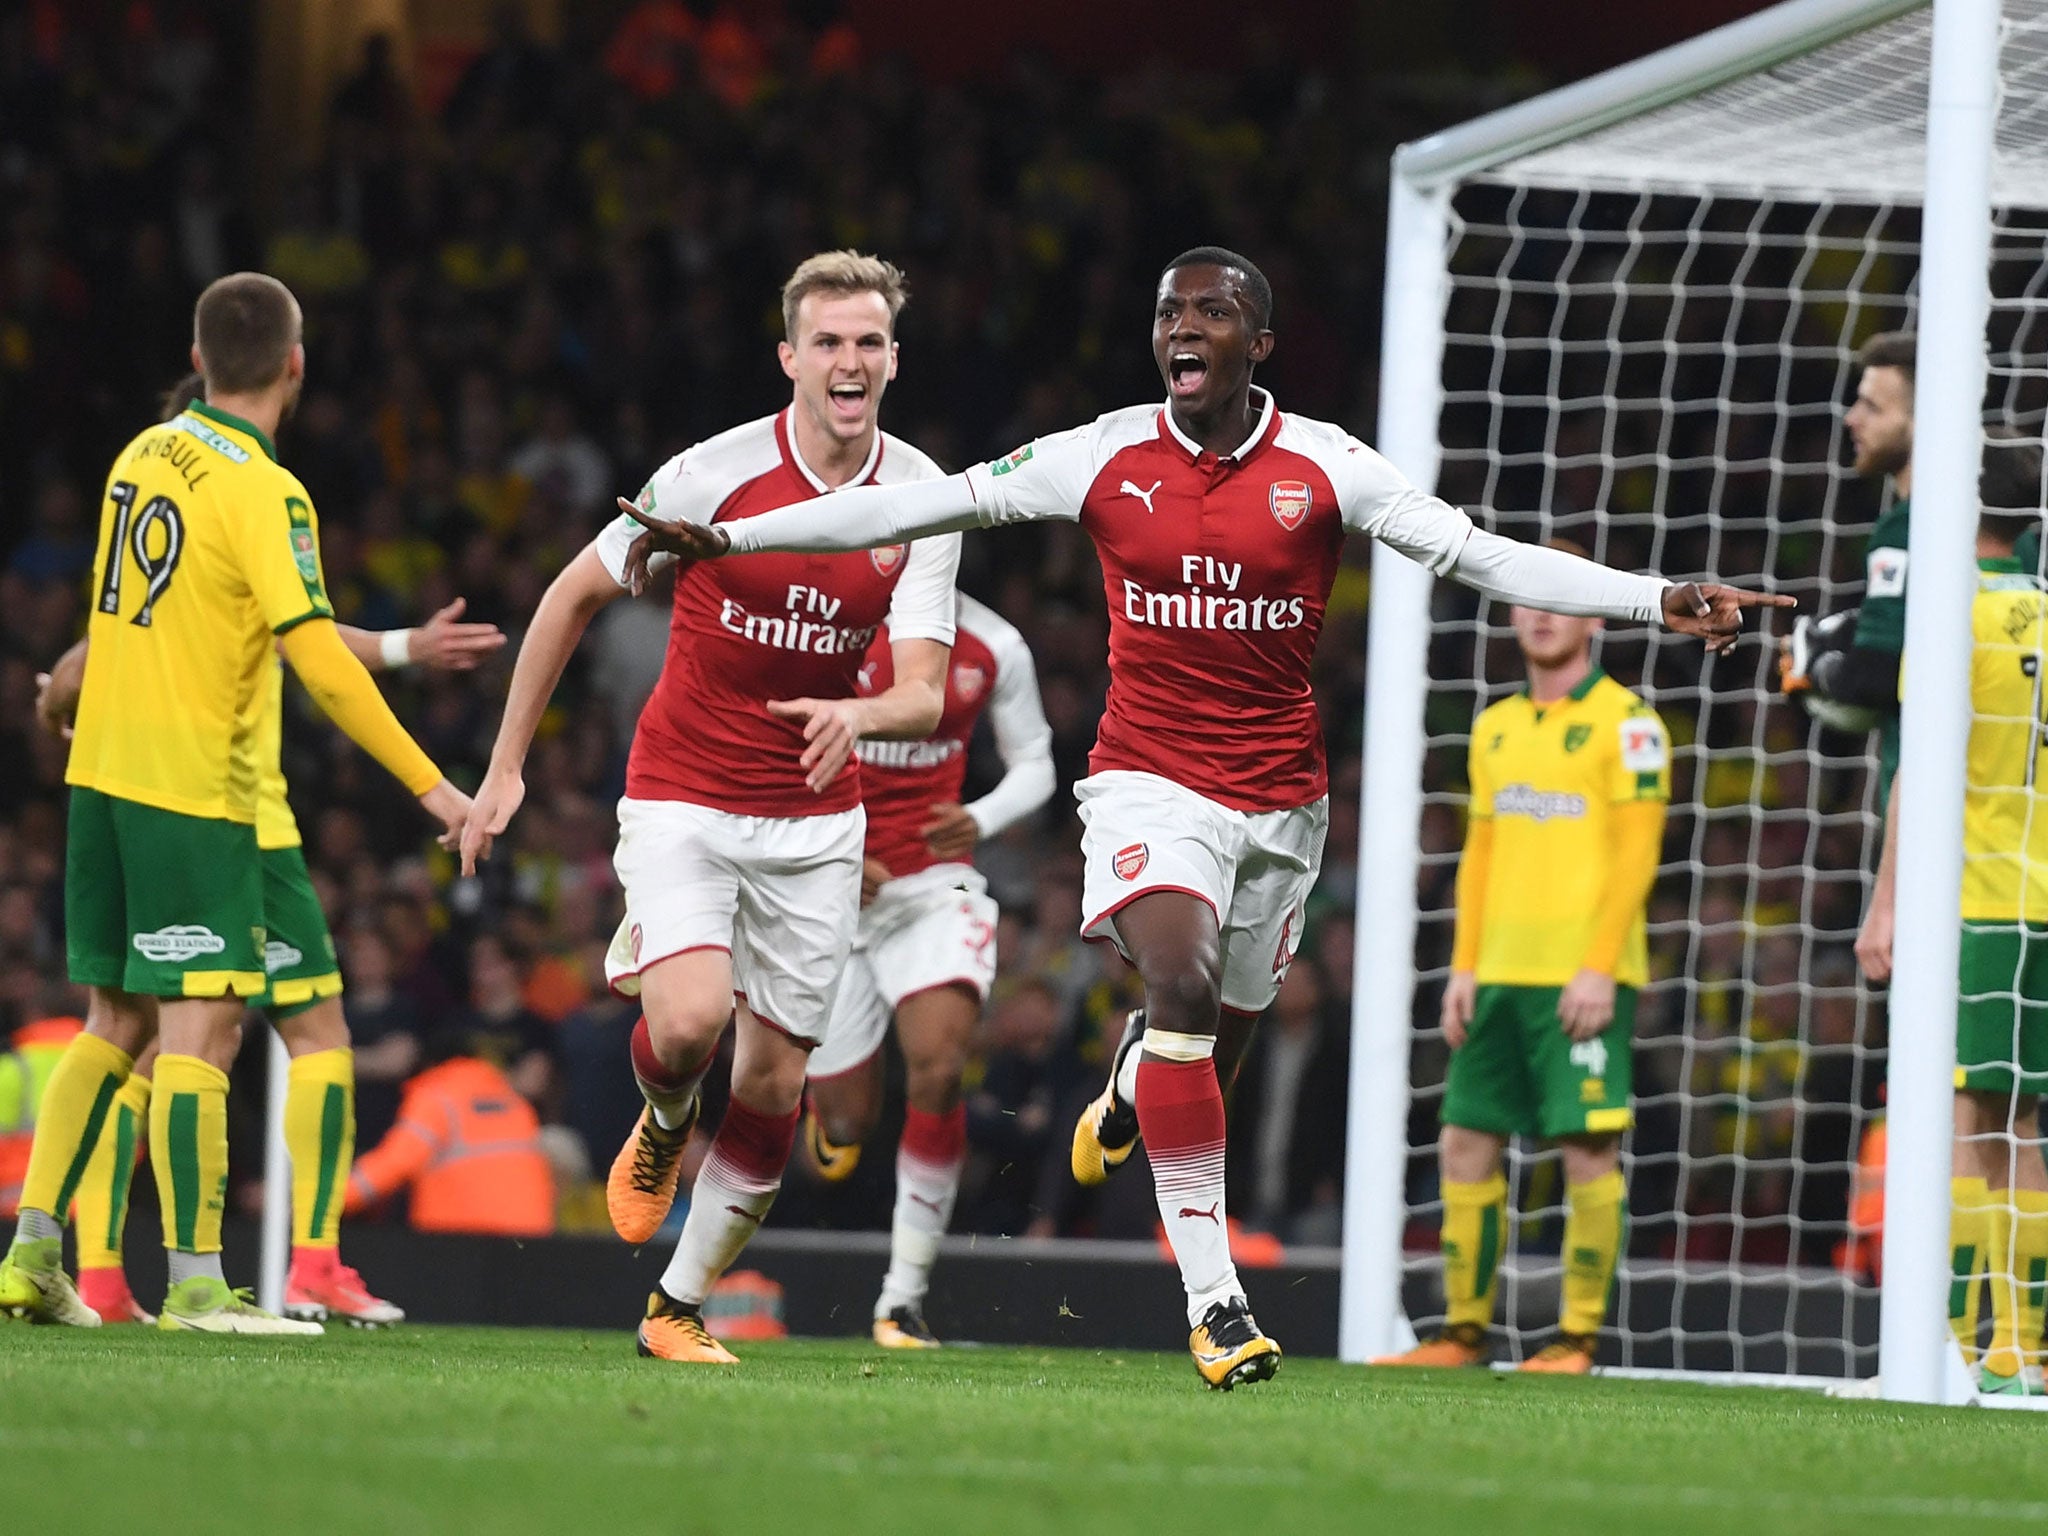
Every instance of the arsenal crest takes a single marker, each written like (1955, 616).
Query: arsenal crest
(1130, 862)
(889, 558)
(968, 681)
(1289, 500)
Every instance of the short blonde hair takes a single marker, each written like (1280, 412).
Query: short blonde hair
(841, 274)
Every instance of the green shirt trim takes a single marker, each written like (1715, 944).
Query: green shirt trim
(305, 618)
(1586, 685)
(229, 419)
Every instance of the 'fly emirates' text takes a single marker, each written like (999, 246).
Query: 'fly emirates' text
(1198, 608)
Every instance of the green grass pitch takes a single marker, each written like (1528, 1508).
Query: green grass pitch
(504, 1432)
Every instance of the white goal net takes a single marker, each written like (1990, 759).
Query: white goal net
(1648, 343)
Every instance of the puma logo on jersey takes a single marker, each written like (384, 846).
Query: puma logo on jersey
(1208, 1215)
(1129, 488)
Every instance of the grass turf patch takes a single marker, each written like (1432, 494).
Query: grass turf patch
(511, 1431)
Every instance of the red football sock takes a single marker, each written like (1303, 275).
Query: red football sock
(1180, 1115)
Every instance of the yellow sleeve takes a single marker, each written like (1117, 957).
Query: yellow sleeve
(341, 686)
(1638, 833)
(1473, 867)
(279, 545)
(1642, 765)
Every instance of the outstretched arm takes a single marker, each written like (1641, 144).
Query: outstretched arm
(861, 518)
(571, 601)
(1552, 579)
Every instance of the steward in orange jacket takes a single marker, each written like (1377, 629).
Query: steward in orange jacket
(469, 1146)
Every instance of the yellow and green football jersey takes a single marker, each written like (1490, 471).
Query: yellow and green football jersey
(2005, 805)
(276, 827)
(208, 548)
(1548, 777)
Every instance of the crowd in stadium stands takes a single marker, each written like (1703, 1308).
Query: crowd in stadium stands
(522, 299)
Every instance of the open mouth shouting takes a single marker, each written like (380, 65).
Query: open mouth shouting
(849, 399)
(1186, 372)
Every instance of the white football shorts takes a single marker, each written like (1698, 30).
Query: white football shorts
(1142, 833)
(780, 894)
(932, 929)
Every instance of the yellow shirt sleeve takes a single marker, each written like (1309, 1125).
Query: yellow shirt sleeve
(1476, 862)
(341, 686)
(1642, 764)
(1638, 831)
(279, 547)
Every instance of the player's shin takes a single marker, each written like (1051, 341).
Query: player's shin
(1475, 1221)
(188, 1147)
(101, 1212)
(1180, 1115)
(2019, 1279)
(928, 1163)
(1595, 1213)
(1969, 1241)
(69, 1121)
(737, 1184)
(320, 1135)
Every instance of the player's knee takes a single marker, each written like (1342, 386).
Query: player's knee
(685, 1030)
(1185, 998)
(774, 1085)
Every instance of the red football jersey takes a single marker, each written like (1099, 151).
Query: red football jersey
(1217, 571)
(776, 626)
(902, 780)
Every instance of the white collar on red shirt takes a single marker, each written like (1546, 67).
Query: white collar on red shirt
(1196, 450)
(796, 456)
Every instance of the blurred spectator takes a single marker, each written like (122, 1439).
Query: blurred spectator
(384, 1027)
(498, 1026)
(1010, 1124)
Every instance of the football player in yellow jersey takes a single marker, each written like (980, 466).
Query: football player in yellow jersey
(2000, 1182)
(1570, 779)
(208, 556)
(302, 1001)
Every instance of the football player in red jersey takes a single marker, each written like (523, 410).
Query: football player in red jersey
(741, 831)
(925, 951)
(1218, 521)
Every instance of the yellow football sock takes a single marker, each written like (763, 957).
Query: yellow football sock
(1475, 1219)
(102, 1210)
(2030, 1268)
(74, 1109)
(320, 1134)
(1594, 1212)
(188, 1143)
(1969, 1243)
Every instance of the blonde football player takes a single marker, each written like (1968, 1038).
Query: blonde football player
(208, 557)
(2002, 1013)
(1569, 784)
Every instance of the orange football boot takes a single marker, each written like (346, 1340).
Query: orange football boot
(642, 1184)
(1461, 1344)
(1571, 1355)
(673, 1331)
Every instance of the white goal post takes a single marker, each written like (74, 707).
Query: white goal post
(1788, 149)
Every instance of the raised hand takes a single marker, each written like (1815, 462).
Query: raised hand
(1714, 612)
(664, 536)
(449, 646)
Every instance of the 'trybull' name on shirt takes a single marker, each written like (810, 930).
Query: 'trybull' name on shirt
(1202, 608)
(1537, 804)
(807, 626)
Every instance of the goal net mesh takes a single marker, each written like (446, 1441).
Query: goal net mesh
(1650, 343)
